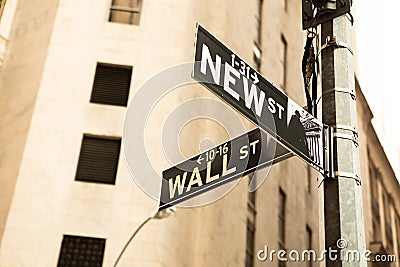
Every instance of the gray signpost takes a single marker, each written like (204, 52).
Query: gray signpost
(343, 207)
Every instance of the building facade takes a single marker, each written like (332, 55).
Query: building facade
(68, 71)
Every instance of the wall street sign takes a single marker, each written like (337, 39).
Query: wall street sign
(219, 165)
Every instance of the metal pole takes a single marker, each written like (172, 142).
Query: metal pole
(343, 211)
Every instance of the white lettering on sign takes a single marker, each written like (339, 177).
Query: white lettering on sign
(207, 59)
(224, 165)
(195, 179)
(271, 105)
(253, 96)
(212, 178)
(180, 184)
(281, 109)
(177, 184)
(244, 150)
(248, 97)
(228, 79)
(253, 145)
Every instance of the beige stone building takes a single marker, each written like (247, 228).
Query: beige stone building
(67, 198)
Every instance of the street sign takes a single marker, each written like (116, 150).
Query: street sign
(243, 88)
(219, 165)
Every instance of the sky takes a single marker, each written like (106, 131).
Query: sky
(378, 56)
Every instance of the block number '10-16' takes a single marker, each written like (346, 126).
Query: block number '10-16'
(210, 155)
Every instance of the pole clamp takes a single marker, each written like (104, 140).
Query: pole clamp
(352, 137)
(346, 127)
(331, 41)
(348, 175)
(342, 90)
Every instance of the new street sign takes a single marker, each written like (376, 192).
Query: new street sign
(219, 165)
(243, 88)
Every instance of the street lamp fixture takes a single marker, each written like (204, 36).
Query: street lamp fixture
(315, 12)
(157, 215)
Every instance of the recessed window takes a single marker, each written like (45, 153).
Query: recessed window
(285, 4)
(251, 198)
(309, 174)
(282, 216)
(2, 4)
(250, 244)
(77, 251)
(98, 160)
(111, 84)
(125, 11)
(282, 53)
(257, 40)
(257, 57)
(309, 244)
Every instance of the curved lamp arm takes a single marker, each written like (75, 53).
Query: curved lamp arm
(157, 215)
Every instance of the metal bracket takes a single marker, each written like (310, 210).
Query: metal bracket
(331, 41)
(339, 89)
(352, 137)
(346, 127)
(348, 175)
(328, 150)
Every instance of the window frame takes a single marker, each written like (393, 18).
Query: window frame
(283, 62)
(250, 227)
(309, 242)
(116, 163)
(282, 216)
(65, 247)
(95, 94)
(131, 10)
(2, 6)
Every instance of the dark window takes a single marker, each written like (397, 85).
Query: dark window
(258, 18)
(98, 160)
(81, 251)
(398, 233)
(281, 224)
(376, 228)
(125, 11)
(282, 211)
(111, 84)
(257, 57)
(251, 198)
(283, 62)
(309, 242)
(250, 244)
(373, 179)
(285, 5)
(282, 263)
(257, 41)
(389, 236)
(2, 4)
(309, 173)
